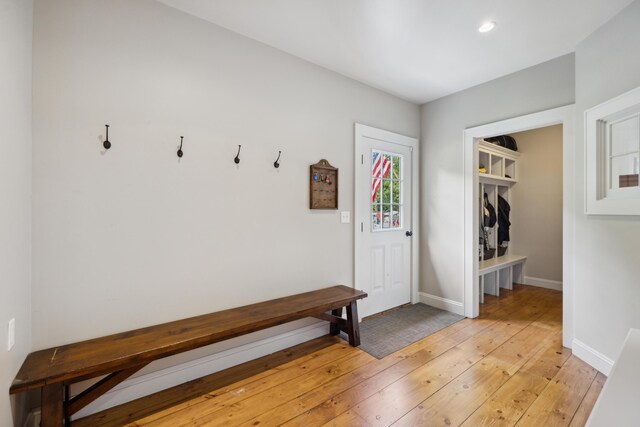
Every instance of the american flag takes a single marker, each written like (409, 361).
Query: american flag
(380, 169)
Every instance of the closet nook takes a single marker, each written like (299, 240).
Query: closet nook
(497, 173)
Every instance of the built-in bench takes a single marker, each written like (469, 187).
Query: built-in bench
(500, 272)
(121, 355)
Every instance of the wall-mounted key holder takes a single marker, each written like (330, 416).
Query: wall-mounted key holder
(323, 188)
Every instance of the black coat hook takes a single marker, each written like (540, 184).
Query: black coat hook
(106, 144)
(237, 158)
(180, 153)
(276, 164)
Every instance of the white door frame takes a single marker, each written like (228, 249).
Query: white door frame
(364, 131)
(566, 117)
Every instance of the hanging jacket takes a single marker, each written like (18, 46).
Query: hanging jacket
(489, 213)
(503, 220)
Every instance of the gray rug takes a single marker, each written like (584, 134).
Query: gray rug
(390, 332)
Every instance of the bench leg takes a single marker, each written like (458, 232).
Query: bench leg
(53, 405)
(353, 327)
(334, 329)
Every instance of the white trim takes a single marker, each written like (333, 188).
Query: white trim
(361, 131)
(153, 382)
(442, 303)
(415, 221)
(593, 357)
(543, 283)
(562, 115)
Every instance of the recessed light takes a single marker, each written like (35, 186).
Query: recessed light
(487, 26)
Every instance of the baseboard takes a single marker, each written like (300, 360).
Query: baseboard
(543, 283)
(167, 377)
(593, 357)
(442, 303)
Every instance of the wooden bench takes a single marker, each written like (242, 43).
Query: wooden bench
(121, 355)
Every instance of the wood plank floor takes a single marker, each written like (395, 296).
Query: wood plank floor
(505, 368)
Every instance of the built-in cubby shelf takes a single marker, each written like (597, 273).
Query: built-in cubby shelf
(497, 164)
(498, 172)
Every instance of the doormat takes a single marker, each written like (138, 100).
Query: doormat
(392, 331)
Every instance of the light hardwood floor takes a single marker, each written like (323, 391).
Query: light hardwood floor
(505, 368)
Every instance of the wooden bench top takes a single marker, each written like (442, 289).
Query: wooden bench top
(99, 356)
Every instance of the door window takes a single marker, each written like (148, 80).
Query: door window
(386, 191)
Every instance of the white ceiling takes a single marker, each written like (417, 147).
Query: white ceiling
(419, 50)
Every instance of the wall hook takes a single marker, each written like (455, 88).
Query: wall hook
(106, 144)
(237, 158)
(180, 153)
(276, 164)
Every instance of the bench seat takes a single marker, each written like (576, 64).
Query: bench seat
(120, 355)
(504, 267)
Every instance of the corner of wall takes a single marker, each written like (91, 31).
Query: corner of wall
(16, 43)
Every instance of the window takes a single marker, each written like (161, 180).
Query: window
(613, 156)
(623, 146)
(386, 191)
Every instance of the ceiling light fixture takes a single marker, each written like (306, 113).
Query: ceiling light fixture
(487, 26)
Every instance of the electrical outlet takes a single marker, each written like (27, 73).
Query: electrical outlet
(11, 340)
(345, 217)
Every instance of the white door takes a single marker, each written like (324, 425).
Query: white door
(383, 218)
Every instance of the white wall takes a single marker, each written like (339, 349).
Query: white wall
(607, 276)
(536, 203)
(132, 236)
(538, 88)
(16, 26)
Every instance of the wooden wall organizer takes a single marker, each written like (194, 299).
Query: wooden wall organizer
(323, 188)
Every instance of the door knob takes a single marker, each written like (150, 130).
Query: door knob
(409, 233)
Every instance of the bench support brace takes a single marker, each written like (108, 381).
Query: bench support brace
(98, 389)
(337, 322)
(349, 325)
(340, 325)
(56, 413)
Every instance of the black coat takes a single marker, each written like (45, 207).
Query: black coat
(503, 220)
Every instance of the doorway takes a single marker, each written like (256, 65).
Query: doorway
(385, 219)
(559, 116)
